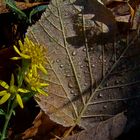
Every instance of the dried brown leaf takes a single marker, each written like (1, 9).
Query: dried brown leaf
(20, 5)
(41, 126)
(81, 56)
(106, 130)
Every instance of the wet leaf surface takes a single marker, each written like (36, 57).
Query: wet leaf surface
(90, 68)
(106, 130)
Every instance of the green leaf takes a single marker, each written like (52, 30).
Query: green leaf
(11, 4)
(14, 113)
(27, 97)
(23, 90)
(12, 81)
(2, 112)
(22, 70)
(36, 10)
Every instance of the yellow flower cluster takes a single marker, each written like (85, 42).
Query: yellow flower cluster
(11, 91)
(34, 81)
(32, 51)
(35, 53)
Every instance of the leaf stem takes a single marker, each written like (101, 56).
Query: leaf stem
(7, 119)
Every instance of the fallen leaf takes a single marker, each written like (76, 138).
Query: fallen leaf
(124, 11)
(81, 58)
(106, 130)
(43, 128)
(20, 5)
(41, 125)
(114, 3)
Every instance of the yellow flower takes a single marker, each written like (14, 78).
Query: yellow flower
(11, 91)
(33, 79)
(36, 54)
(32, 51)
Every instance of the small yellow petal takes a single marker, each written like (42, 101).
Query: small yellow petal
(5, 98)
(27, 40)
(17, 50)
(34, 69)
(44, 84)
(23, 90)
(4, 84)
(19, 100)
(27, 80)
(25, 56)
(42, 69)
(42, 91)
(22, 55)
(15, 58)
(12, 81)
(20, 44)
(33, 88)
(3, 92)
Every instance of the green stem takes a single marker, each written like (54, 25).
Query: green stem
(7, 119)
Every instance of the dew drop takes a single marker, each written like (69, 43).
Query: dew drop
(70, 85)
(93, 65)
(105, 106)
(81, 66)
(72, 91)
(57, 60)
(61, 66)
(68, 75)
(84, 49)
(100, 95)
(74, 53)
(91, 48)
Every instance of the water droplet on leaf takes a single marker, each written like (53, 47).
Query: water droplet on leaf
(72, 91)
(105, 106)
(74, 53)
(70, 85)
(68, 75)
(57, 60)
(61, 66)
(100, 95)
(84, 49)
